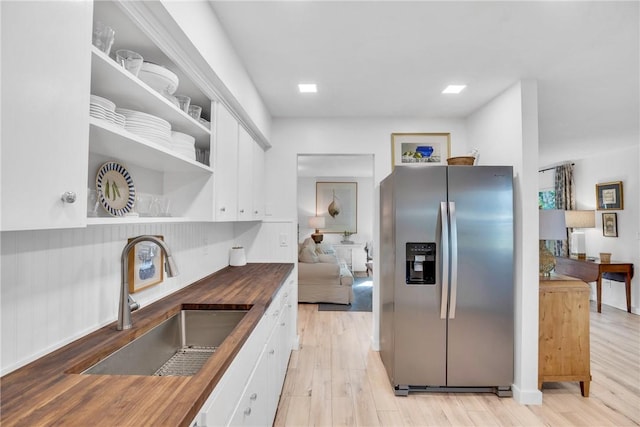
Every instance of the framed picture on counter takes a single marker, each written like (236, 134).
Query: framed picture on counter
(609, 196)
(421, 149)
(610, 224)
(146, 266)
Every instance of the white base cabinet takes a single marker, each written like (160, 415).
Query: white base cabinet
(249, 391)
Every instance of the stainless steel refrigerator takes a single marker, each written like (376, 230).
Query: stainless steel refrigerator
(447, 290)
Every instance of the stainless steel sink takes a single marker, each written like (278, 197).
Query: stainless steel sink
(179, 346)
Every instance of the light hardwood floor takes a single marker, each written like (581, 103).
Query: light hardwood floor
(335, 379)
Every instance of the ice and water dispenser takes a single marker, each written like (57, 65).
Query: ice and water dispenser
(421, 263)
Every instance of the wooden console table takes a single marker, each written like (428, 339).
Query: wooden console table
(563, 335)
(591, 271)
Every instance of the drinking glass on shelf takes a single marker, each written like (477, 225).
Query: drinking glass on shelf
(103, 37)
(183, 102)
(130, 60)
(92, 203)
(195, 111)
(143, 204)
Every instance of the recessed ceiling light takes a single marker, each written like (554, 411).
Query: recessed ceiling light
(454, 88)
(307, 88)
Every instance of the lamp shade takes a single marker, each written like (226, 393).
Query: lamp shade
(316, 222)
(552, 224)
(580, 219)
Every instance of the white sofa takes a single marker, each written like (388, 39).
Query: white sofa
(321, 278)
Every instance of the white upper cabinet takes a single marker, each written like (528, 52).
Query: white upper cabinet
(258, 183)
(170, 184)
(245, 175)
(226, 166)
(46, 60)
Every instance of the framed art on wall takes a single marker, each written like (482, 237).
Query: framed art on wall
(423, 149)
(610, 224)
(337, 202)
(146, 266)
(609, 196)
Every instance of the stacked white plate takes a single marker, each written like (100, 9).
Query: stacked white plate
(147, 126)
(159, 78)
(183, 144)
(104, 109)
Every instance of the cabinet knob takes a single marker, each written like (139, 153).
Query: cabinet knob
(223, 209)
(253, 396)
(255, 212)
(241, 210)
(272, 351)
(68, 197)
(247, 411)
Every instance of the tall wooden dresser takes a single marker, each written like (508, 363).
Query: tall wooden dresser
(563, 344)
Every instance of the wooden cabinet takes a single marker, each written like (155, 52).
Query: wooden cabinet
(46, 71)
(563, 345)
(249, 391)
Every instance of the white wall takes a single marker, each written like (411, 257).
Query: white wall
(307, 207)
(607, 167)
(291, 137)
(506, 132)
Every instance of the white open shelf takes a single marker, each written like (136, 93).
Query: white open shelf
(114, 141)
(109, 80)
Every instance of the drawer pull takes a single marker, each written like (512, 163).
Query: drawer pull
(272, 351)
(282, 324)
(247, 411)
(253, 396)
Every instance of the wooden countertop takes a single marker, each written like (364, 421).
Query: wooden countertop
(50, 390)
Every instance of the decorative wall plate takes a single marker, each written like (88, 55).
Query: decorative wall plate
(115, 189)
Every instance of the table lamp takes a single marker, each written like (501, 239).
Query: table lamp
(316, 222)
(551, 227)
(578, 220)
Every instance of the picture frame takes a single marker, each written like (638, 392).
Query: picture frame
(609, 196)
(610, 224)
(428, 149)
(146, 266)
(337, 202)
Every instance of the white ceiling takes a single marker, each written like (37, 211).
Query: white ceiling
(393, 58)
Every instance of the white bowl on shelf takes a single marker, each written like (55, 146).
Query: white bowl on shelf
(159, 78)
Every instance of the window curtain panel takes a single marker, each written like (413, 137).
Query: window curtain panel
(565, 199)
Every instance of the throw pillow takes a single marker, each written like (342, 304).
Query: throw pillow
(308, 255)
(327, 258)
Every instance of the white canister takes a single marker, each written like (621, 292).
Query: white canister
(237, 257)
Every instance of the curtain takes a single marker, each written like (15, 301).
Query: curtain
(565, 199)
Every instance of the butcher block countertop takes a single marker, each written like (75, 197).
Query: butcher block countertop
(50, 390)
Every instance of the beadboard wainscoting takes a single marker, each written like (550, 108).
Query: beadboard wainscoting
(58, 285)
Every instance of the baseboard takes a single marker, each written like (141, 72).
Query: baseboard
(526, 397)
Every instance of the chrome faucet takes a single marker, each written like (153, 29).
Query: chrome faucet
(127, 304)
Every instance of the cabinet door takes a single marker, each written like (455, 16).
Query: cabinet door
(258, 182)
(226, 170)
(245, 175)
(252, 408)
(46, 75)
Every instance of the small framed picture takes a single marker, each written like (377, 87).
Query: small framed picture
(610, 224)
(609, 196)
(146, 266)
(421, 149)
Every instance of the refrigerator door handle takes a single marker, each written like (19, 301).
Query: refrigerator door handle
(454, 260)
(444, 239)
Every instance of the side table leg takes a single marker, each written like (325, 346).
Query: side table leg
(599, 293)
(627, 284)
